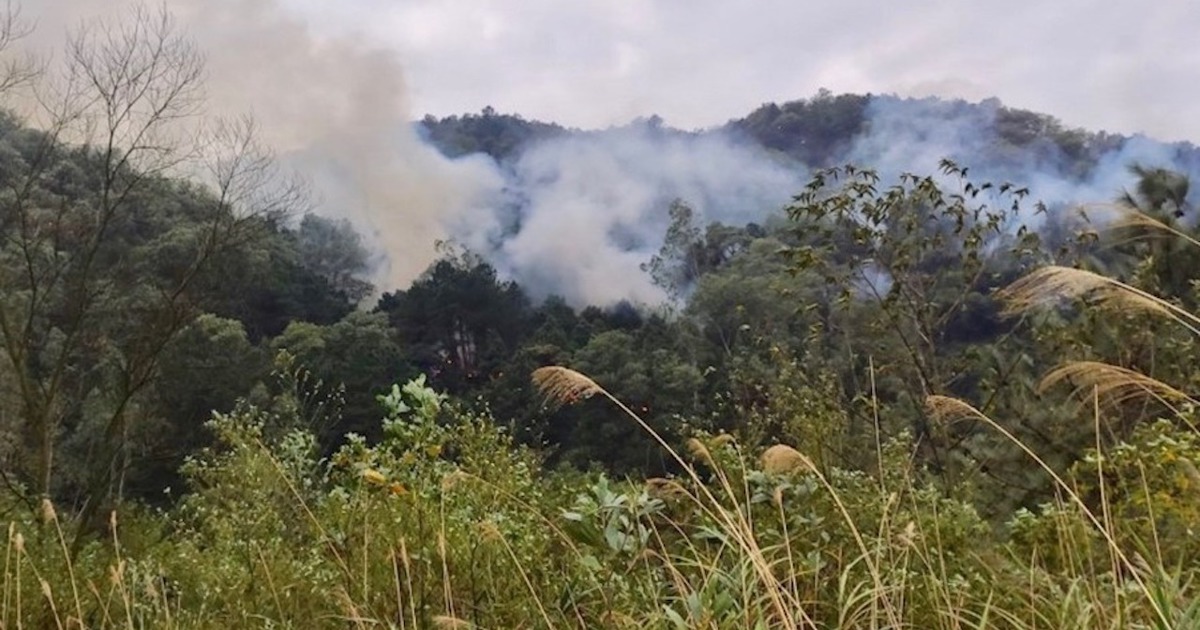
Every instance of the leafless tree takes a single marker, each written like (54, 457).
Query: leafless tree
(85, 315)
(16, 69)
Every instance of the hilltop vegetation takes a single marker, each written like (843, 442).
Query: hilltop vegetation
(819, 132)
(897, 403)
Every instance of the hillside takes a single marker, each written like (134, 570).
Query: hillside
(604, 194)
(821, 131)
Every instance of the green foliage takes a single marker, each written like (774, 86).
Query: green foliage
(445, 520)
(458, 322)
(335, 252)
(644, 370)
(501, 136)
(816, 131)
(1149, 485)
(357, 355)
(678, 264)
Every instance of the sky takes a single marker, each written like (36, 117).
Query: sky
(1124, 66)
(1116, 65)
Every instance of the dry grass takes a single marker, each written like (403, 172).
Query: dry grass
(783, 459)
(699, 451)
(666, 489)
(1141, 225)
(947, 409)
(1052, 284)
(1112, 383)
(1093, 380)
(447, 622)
(563, 386)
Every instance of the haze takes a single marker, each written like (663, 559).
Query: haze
(334, 85)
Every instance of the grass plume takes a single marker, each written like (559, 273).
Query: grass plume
(1113, 383)
(1054, 283)
(563, 386)
(1139, 225)
(782, 459)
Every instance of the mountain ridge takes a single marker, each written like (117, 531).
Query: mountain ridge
(577, 212)
(814, 131)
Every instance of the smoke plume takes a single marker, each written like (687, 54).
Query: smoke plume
(913, 135)
(584, 211)
(331, 107)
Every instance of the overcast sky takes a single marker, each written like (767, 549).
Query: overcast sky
(1119, 65)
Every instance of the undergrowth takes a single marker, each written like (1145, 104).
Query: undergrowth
(446, 523)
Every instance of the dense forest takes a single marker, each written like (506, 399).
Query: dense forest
(899, 399)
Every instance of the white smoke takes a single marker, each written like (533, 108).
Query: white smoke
(331, 106)
(592, 208)
(585, 210)
(576, 215)
(913, 135)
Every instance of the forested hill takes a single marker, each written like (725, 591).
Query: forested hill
(822, 131)
(647, 255)
(577, 212)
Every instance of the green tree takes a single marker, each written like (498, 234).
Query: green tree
(816, 131)
(205, 369)
(1166, 259)
(677, 265)
(914, 263)
(646, 369)
(458, 322)
(335, 252)
(269, 284)
(358, 356)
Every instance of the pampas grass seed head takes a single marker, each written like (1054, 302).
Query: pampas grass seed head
(1113, 383)
(373, 477)
(947, 409)
(47, 511)
(446, 622)
(489, 531)
(722, 440)
(664, 489)
(908, 537)
(699, 451)
(1053, 283)
(782, 459)
(563, 386)
(452, 479)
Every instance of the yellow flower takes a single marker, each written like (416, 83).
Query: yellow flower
(433, 450)
(372, 476)
(397, 488)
